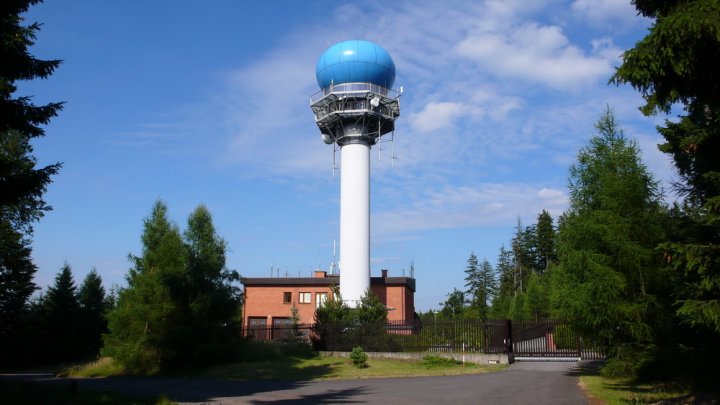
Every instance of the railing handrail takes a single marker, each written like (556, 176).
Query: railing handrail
(355, 87)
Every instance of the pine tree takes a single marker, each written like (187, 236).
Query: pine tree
(454, 306)
(523, 253)
(545, 237)
(21, 183)
(93, 305)
(149, 318)
(678, 63)
(610, 284)
(61, 319)
(16, 287)
(213, 300)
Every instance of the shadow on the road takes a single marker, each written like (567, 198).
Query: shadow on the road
(181, 390)
(330, 397)
(588, 367)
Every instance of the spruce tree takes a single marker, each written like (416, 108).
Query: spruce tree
(545, 237)
(61, 319)
(22, 184)
(678, 63)
(93, 305)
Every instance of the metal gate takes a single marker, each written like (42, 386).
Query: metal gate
(549, 340)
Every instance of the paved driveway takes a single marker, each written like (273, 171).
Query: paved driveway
(522, 383)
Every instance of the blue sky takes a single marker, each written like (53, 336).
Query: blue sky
(207, 103)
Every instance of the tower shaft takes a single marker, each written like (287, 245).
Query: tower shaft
(354, 221)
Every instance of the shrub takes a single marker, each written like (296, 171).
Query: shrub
(359, 357)
(437, 361)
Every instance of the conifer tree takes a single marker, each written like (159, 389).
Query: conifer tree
(61, 319)
(93, 305)
(145, 325)
(610, 283)
(545, 237)
(22, 184)
(678, 63)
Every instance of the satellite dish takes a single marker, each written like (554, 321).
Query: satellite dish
(327, 139)
(375, 101)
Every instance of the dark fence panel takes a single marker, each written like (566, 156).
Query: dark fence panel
(544, 338)
(548, 338)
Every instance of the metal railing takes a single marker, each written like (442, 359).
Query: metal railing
(350, 88)
(543, 338)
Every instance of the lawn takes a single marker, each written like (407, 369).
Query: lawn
(296, 368)
(335, 368)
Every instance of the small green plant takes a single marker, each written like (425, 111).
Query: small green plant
(359, 357)
(437, 361)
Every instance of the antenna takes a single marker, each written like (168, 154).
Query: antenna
(381, 38)
(332, 264)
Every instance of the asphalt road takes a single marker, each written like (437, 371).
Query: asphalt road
(521, 383)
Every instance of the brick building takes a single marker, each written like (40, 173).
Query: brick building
(268, 300)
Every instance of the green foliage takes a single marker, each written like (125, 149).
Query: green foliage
(536, 299)
(677, 63)
(437, 361)
(336, 322)
(59, 317)
(545, 239)
(180, 308)
(359, 357)
(93, 307)
(454, 306)
(16, 278)
(371, 309)
(22, 185)
(481, 284)
(609, 282)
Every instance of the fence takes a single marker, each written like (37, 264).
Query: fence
(543, 338)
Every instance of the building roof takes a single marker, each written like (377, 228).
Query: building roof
(322, 281)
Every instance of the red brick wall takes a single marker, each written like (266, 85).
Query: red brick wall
(267, 301)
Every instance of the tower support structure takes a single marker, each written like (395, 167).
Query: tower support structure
(353, 109)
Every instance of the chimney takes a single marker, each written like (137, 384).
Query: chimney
(319, 274)
(384, 273)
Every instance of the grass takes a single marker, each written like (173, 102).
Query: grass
(303, 368)
(20, 393)
(337, 368)
(625, 391)
(102, 367)
(628, 392)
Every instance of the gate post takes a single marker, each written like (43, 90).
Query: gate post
(508, 333)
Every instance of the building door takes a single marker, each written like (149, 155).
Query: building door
(257, 328)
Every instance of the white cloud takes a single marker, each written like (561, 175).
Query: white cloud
(537, 53)
(618, 13)
(468, 206)
(436, 116)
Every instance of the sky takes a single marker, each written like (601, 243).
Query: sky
(208, 103)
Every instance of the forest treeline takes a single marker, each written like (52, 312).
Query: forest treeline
(607, 267)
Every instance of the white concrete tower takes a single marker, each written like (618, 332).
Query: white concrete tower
(353, 109)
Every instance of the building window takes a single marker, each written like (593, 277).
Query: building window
(320, 299)
(305, 298)
(287, 297)
(281, 329)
